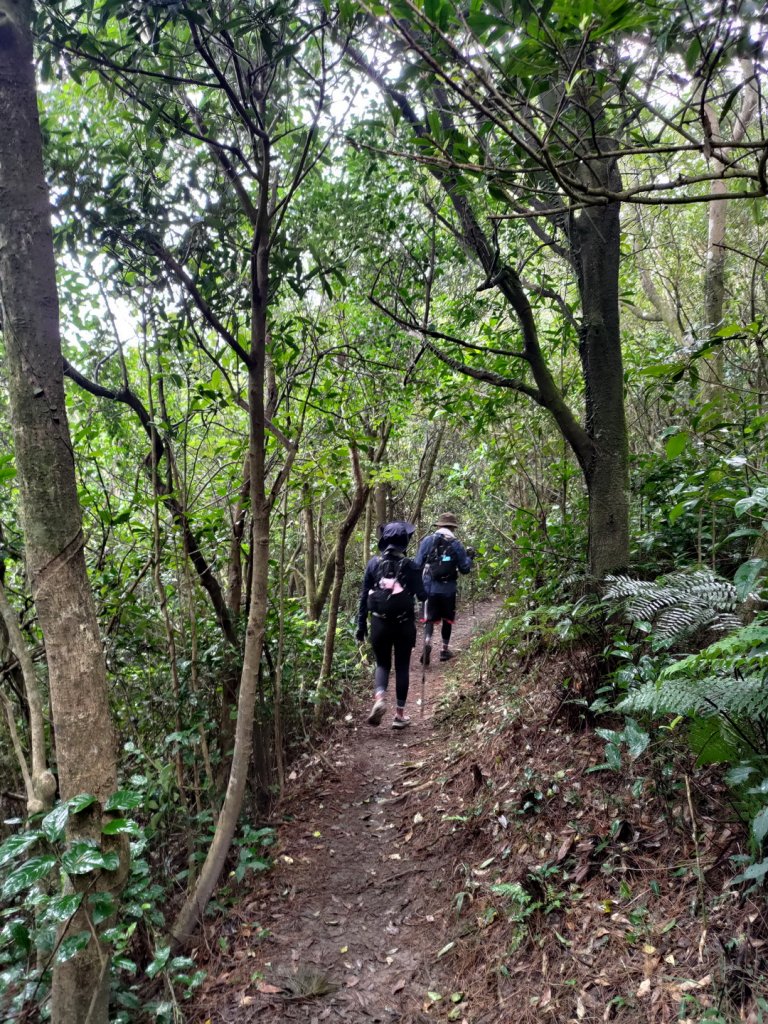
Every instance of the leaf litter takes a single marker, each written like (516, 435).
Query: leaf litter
(513, 876)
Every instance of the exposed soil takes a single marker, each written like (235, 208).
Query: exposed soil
(481, 867)
(356, 900)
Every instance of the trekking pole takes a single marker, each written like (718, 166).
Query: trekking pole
(423, 656)
(423, 675)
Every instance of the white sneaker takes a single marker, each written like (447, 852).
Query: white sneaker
(377, 711)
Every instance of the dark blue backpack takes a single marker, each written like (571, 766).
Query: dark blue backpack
(442, 561)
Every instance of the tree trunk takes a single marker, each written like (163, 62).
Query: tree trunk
(426, 469)
(595, 241)
(191, 912)
(714, 273)
(359, 502)
(39, 781)
(310, 566)
(380, 504)
(51, 515)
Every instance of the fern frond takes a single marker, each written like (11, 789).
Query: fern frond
(727, 681)
(679, 606)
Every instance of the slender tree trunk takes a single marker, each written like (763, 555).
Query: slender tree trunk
(191, 912)
(235, 560)
(51, 516)
(714, 274)
(367, 532)
(39, 781)
(595, 243)
(717, 219)
(359, 501)
(310, 565)
(426, 469)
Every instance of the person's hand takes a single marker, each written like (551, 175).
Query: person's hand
(360, 635)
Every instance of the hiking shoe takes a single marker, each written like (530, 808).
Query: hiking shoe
(377, 711)
(400, 722)
(425, 655)
(446, 655)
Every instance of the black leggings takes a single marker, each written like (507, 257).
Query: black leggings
(386, 637)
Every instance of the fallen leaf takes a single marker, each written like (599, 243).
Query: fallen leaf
(644, 989)
(399, 986)
(267, 989)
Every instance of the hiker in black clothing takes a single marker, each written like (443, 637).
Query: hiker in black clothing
(441, 557)
(390, 584)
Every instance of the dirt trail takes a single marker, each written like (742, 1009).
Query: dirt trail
(352, 903)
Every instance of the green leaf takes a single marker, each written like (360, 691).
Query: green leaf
(71, 946)
(16, 845)
(729, 331)
(80, 803)
(24, 877)
(675, 444)
(123, 800)
(54, 823)
(758, 499)
(61, 908)
(677, 511)
(760, 825)
(637, 739)
(119, 825)
(102, 906)
(746, 576)
(708, 742)
(161, 959)
(84, 856)
(18, 934)
(754, 873)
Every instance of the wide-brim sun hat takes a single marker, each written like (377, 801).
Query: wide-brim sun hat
(396, 534)
(447, 519)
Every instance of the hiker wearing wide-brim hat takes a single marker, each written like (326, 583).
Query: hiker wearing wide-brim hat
(390, 584)
(447, 519)
(442, 557)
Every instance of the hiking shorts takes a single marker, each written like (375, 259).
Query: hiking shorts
(440, 606)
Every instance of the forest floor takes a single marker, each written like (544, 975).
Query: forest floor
(477, 868)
